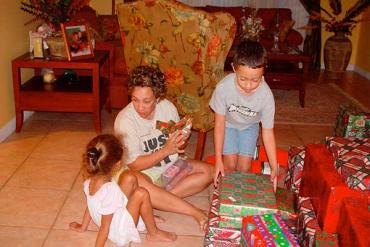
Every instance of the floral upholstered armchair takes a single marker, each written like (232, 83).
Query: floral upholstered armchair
(188, 45)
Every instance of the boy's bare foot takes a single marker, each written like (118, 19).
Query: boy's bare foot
(162, 236)
(159, 219)
(202, 219)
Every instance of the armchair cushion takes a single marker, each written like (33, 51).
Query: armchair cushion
(190, 46)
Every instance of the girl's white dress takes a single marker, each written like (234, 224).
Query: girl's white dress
(110, 199)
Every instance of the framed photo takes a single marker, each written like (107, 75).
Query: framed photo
(77, 40)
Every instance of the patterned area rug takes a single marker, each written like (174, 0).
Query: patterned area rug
(321, 104)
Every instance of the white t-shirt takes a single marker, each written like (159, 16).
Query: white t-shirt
(240, 110)
(110, 199)
(139, 135)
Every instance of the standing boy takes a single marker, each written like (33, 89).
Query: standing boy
(241, 101)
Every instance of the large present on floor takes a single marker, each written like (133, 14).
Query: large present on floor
(354, 223)
(266, 230)
(244, 194)
(217, 235)
(285, 201)
(307, 224)
(351, 122)
(324, 239)
(325, 186)
(352, 160)
(295, 168)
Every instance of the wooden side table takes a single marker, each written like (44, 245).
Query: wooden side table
(86, 95)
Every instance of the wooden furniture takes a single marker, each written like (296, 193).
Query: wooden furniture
(287, 70)
(86, 95)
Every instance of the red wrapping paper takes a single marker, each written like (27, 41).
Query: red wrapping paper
(354, 223)
(323, 184)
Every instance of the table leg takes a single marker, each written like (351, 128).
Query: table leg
(302, 93)
(96, 98)
(18, 120)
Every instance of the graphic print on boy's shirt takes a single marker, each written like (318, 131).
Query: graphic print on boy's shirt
(153, 142)
(244, 110)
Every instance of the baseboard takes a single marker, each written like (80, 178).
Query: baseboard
(9, 128)
(353, 67)
(362, 72)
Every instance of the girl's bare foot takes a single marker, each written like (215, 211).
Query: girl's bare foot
(202, 219)
(162, 236)
(159, 219)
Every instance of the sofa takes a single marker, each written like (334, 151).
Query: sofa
(104, 29)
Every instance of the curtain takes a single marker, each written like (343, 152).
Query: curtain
(312, 42)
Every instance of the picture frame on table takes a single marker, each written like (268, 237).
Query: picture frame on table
(77, 40)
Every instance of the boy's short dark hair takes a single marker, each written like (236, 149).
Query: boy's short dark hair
(250, 53)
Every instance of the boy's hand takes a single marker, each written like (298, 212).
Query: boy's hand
(274, 176)
(76, 227)
(219, 168)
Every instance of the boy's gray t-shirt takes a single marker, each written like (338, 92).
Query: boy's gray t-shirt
(240, 110)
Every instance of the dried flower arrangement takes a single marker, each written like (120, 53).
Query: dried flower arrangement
(251, 26)
(53, 11)
(345, 25)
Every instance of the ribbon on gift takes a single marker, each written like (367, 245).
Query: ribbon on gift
(171, 126)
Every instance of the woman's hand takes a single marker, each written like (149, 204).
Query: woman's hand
(219, 169)
(174, 143)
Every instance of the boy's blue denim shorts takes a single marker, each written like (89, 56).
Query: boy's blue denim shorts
(242, 142)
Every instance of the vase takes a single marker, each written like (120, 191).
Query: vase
(337, 53)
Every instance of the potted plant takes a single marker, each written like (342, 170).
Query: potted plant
(338, 47)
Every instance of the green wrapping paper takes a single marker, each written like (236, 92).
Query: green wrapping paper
(244, 194)
(285, 201)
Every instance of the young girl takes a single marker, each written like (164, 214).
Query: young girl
(115, 210)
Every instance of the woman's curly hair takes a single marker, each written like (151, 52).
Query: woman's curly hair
(146, 76)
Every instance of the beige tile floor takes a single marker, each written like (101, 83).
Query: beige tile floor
(41, 184)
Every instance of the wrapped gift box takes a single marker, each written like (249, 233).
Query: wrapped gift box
(244, 194)
(170, 127)
(307, 225)
(324, 239)
(293, 177)
(266, 230)
(174, 173)
(354, 223)
(352, 160)
(285, 201)
(324, 185)
(351, 122)
(217, 236)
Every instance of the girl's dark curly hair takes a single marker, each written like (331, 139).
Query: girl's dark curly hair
(101, 154)
(145, 76)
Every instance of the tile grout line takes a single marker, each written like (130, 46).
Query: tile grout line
(60, 209)
(27, 157)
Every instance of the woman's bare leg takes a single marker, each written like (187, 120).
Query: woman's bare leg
(166, 201)
(139, 205)
(197, 180)
(230, 162)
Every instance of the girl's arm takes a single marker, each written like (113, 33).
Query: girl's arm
(269, 142)
(219, 135)
(172, 146)
(85, 222)
(103, 230)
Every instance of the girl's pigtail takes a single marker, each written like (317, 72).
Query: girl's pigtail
(93, 155)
